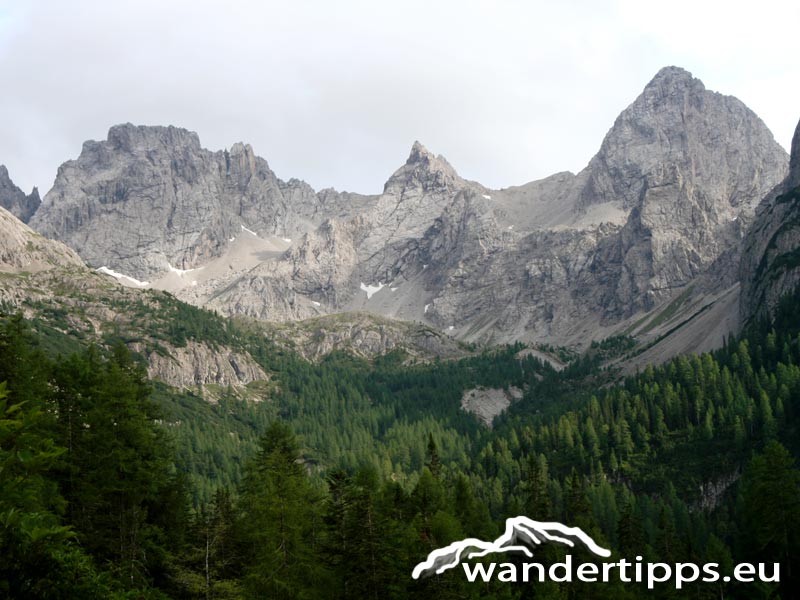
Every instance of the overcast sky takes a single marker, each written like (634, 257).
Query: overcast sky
(335, 92)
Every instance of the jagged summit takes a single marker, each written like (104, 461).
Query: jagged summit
(241, 148)
(15, 200)
(423, 169)
(672, 76)
(419, 153)
(150, 198)
(674, 89)
(676, 130)
(664, 202)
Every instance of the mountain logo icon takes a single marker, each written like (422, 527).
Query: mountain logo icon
(521, 534)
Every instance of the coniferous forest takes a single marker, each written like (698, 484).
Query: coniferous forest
(114, 486)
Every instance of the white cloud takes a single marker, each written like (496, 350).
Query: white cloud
(335, 92)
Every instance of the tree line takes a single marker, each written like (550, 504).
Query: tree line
(355, 470)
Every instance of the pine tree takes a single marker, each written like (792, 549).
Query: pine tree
(39, 559)
(117, 476)
(537, 501)
(630, 531)
(280, 519)
(771, 519)
(433, 464)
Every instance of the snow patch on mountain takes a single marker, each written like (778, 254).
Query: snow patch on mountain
(116, 275)
(372, 289)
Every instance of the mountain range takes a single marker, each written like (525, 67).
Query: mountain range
(665, 235)
(216, 383)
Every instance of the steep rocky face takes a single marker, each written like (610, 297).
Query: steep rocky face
(348, 258)
(666, 200)
(794, 162)
(770, 265)
(151, 198)
(14, 200)
(661, 207)
(691, 165)
(677, 128)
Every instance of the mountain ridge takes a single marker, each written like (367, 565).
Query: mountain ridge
(662, 206)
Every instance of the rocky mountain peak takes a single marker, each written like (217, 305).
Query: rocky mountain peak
(241, 148)
(425, 170)
(149, 199)
(129, 137)
(673, 77)
(241, 160)
(688, 166)
(420, 153)
(673, 91)
(14, 199)
(677, 131)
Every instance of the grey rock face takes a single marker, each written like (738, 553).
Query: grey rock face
(691, 165)
(198, 364)
(14, 200)
(794, 162)
(664, 202)
(486, 404)
(678, 125)
(770, 265)
(149, 198)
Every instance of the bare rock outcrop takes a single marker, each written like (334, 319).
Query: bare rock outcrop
(487, 403)
(198, 364)
(770, 264)
(14, 200)
(151, 198)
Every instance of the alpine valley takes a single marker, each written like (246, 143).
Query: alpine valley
(221, 384)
